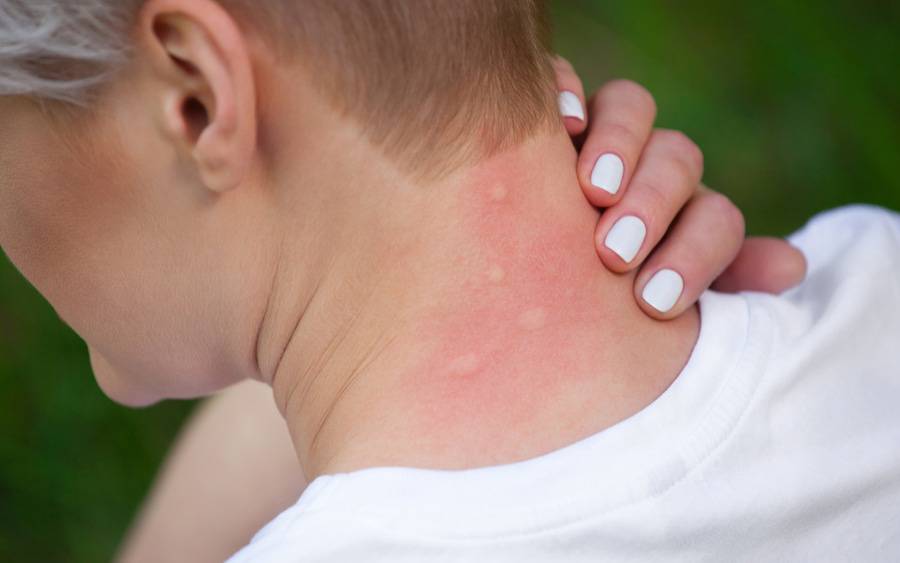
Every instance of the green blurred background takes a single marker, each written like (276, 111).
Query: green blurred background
(796, 105)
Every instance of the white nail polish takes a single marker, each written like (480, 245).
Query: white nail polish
(570, 105)
(663, 290)
(626, 237)
(607, 173)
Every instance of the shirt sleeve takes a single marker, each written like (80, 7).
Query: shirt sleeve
(849, 241)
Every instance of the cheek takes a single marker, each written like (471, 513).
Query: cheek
(23, 189)
(63, 225)
(117, 256)
(48, 199)
(72, 222)
(68, 204)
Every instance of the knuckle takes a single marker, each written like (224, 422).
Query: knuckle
(683, 147)
(727, 212)
(663, 166)
(634, 92)
(613, 133)
(656, 198)
(562, 64)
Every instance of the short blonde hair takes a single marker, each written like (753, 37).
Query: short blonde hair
(433, 83)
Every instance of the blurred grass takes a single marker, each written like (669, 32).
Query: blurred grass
(796, 105)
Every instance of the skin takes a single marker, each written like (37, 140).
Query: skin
(374, 314)
(532, 329)
(232, 469)
(397, 324)
(197, 459)
(199, 224)
(693, 230)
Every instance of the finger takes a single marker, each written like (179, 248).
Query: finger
(667, 176)
(702, 243)
(621, 118)
(770, 265)
(571, 96)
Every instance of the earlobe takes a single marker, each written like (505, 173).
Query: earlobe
(206, 90)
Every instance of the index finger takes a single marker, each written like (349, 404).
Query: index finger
(571, 96)
(621, 117)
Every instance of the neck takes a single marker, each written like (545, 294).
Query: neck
(461, 325)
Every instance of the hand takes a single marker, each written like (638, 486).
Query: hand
(684, 237)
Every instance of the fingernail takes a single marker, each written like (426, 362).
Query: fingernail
(626, 237)
(570, 105)
(607, 173)
(663, 290)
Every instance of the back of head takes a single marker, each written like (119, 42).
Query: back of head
(432, 83)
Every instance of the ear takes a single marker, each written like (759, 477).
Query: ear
(205, 88)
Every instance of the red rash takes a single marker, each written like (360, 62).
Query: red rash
(510, 342)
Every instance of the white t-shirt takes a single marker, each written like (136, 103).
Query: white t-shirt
(779, 441)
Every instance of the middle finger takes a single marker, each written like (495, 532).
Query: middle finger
(666, 177)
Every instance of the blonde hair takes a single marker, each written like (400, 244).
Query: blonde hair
(431, 82)
(61, 50)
